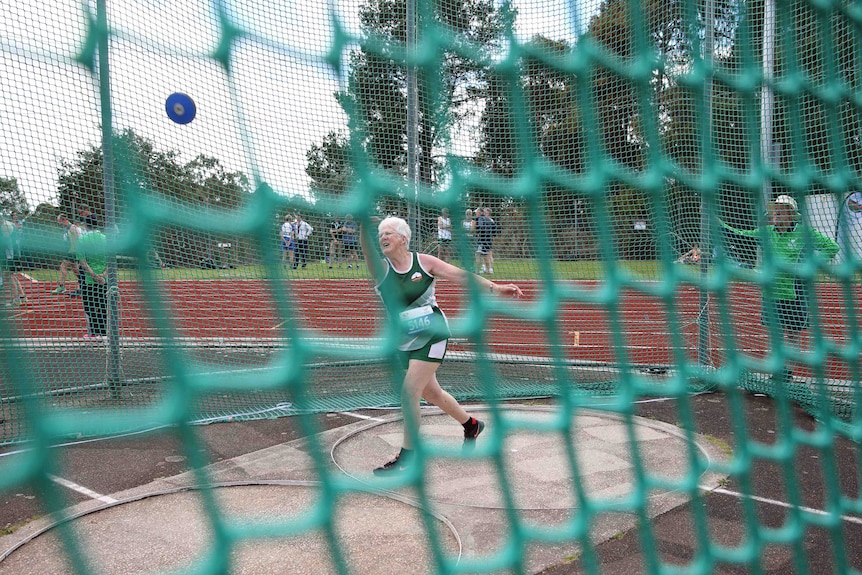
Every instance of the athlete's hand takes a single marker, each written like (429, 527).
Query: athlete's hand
(506, 289)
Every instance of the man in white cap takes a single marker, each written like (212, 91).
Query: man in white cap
(789, 302)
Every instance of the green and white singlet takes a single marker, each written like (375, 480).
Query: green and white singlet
(416, 310)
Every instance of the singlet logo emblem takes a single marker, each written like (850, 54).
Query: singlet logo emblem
(416, 277)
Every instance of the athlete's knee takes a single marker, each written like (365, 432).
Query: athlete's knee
(433, 393)
(413, 387)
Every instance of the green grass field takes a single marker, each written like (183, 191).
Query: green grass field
(503, 269)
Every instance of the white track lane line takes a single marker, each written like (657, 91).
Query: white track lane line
(360, 416)
(847, 518)
(81, 489)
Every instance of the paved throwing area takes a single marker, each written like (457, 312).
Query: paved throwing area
(164, 525)
(140, 510)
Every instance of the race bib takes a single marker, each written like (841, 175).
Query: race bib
(417, 320)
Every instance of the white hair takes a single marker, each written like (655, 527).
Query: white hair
(399, 225)
(787, 201)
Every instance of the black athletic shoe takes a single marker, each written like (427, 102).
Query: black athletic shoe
(472, 432)
(400, 464)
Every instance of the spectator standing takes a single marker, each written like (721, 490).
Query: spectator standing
(154, 260)
(468, 223)
(86, 216)
(444, 235)
(92, 257)
(11, 242)
(336, 245)
(303, 232)
(288, 246)
(350, 240)
(486, 229)
(71, 234)
(17, 242)
(494, 230)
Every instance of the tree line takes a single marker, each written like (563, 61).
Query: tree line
(542, 108)
(545, 109)
(201, 184)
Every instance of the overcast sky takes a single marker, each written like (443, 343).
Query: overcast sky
(283, 86)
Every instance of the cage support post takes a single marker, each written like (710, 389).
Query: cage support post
(108, 182)
(412, 127)
(703, 358)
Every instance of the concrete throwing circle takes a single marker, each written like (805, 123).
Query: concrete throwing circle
(172, 531)
(537, 464)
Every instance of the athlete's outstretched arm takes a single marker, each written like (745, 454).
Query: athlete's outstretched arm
(444, 270)
(750, 233)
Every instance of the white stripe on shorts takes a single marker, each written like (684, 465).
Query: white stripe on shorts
(438, 350)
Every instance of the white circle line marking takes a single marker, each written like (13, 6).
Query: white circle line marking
(81, 489)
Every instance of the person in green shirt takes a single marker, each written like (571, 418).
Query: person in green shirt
(93, 261)
(787, 236)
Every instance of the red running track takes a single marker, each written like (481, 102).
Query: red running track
(350, 309)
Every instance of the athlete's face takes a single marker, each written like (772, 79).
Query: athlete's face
(782, 217)
(390, 241)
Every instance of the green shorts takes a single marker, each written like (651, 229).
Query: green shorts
(433, 352)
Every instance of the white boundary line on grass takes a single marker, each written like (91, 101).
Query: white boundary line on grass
(81, 489)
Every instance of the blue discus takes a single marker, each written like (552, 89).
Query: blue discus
(180, 108)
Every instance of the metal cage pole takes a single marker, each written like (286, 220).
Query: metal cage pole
(703, 351)
(767, 97)
(412, 125)
(108, 183)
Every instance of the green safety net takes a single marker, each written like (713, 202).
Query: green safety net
(629, 155)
